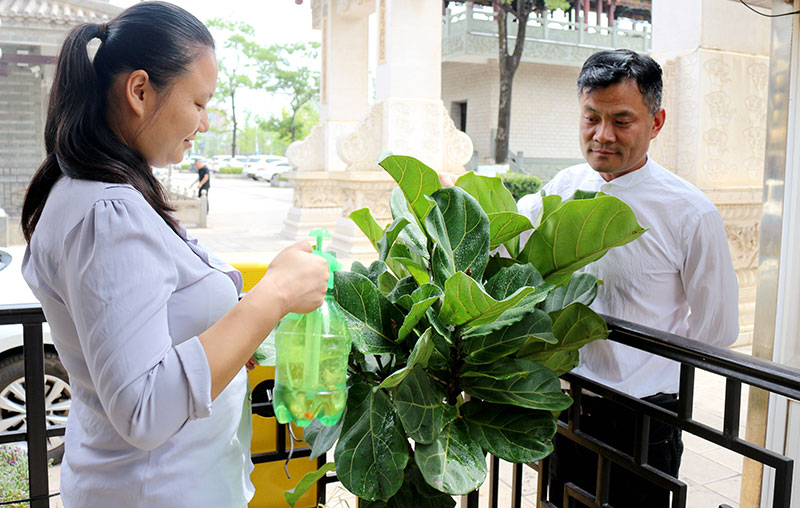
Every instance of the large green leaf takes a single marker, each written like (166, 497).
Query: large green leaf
(574, 326)
(415, 179)
(415, 492)
(401, 294)
(582, 288)
(390, 235)
(578, 233)
(489, 191)
(511, 433)
(412, 235)
(536, 388)
(421, 407)
(368, 225)
(321, 437)
(372, 451)
(505, 227)
(481, 349)
(422, 298)
(419, 355)
(454, 463)
(461, 233)
(306, 482)
(374, 319)
(508, 280)
(496, 263)
(549, 205)
(414, 264)
(466, 302)
(441, 360)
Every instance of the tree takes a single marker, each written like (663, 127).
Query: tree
(509, 63)
(281, 69)
(232, 68)
(290, 125)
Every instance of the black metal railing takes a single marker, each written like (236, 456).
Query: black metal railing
(736, 368)
(36, 432)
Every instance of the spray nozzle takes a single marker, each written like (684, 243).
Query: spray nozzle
(330, 257)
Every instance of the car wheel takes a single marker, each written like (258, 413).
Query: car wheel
(275, 180)
(58, 398)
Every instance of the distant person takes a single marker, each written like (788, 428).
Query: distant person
(146, 321)
(203, 181)
(678, 277)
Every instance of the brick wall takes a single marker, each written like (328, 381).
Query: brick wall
(544, 116)
(21, 144)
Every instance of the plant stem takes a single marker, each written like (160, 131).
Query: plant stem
(453, 388)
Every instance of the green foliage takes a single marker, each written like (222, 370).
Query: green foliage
(521, 184)
(13, 475)
(281, 70)
(230, 171)
(438, 318)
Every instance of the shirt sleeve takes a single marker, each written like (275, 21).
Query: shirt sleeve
(710, 283)
(118, 276)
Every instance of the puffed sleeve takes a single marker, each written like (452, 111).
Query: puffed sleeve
(710, 283)
(118, 276)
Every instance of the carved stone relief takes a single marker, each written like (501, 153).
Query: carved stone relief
(308, 154)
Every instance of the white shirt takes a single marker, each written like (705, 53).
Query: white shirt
(681, 263)
(125, 298)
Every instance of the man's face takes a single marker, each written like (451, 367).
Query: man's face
(198, 164)
(616, 128)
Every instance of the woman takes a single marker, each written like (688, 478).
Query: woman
(145, 321)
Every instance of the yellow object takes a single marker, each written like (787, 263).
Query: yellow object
(251, 273)
(269, 478)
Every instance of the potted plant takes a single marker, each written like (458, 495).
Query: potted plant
(458, 350)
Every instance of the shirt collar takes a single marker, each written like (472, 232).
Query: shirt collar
(629, 180)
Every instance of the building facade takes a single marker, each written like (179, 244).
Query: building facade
(31, 32)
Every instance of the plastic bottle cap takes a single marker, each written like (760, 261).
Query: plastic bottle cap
(330, 257)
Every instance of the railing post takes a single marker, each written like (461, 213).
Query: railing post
(614, 34)
(546, 31)
(35, 414)
(469, 18)
(446, 29)
(582, 26)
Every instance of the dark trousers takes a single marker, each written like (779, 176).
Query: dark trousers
(615, 425)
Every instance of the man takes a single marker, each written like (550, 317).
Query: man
(203, 179)
(677, 277)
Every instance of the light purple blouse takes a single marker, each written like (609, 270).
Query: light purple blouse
(125, 298)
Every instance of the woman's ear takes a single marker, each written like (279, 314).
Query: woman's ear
(138, 92)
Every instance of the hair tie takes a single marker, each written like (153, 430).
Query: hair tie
(101, 31)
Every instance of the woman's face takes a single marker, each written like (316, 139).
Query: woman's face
(180, 114)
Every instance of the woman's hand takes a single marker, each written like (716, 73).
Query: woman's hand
(298, 278)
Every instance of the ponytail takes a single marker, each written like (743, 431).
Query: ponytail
(158, 37)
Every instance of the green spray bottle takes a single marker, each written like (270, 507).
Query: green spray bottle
(311, 357)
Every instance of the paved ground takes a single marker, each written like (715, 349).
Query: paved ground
(244, 225)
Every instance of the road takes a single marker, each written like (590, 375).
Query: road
(245, 217)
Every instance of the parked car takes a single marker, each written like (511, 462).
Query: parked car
(58, 396)
(271, 172)
(218, 161)
(258, 163)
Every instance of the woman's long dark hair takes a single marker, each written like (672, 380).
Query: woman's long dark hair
(158, 37)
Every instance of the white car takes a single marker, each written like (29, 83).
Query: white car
(58, 396)
(271, 172)
(259, 163)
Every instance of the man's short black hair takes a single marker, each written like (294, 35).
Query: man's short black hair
(606, 68)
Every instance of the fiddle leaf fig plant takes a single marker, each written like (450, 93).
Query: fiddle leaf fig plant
(458, 348)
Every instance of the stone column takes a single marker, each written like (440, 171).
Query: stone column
(343, 103)
(408, 117)
(715, 96)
